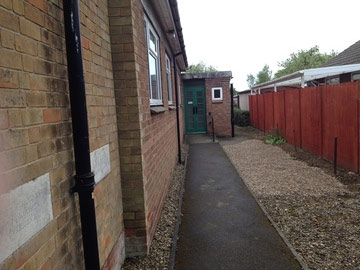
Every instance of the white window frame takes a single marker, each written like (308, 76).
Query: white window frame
(213, 93)
(156, 55)
(169, 79)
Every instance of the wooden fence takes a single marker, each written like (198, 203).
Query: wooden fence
(312, 117)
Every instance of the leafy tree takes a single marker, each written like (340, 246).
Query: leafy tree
(250, 80)
(262, 76)
(303, 59)
(200, 67)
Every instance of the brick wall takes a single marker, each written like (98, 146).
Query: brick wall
(35, 127)
(148, 143)
(221, 110)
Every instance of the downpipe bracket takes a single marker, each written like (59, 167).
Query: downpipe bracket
(84, 183)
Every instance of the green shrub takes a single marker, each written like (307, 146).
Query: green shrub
(242, 118)
(272, 139)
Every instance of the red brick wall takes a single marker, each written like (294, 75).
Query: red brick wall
(221, 110)
(35, 127)
(158, 135)
(148, 143)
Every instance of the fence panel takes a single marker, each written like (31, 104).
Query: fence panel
(311, 119)
(269, 111)
(315, 116)
(253, 110)
(279, 112)
(340, 119)
(261, 112)
(292, 112)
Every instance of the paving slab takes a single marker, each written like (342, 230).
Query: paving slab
(222, 225)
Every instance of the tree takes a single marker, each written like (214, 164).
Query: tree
(262, 76)
(303, 59)
(201, 67)
(250, 80)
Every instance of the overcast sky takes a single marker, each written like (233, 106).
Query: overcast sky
(244, 35)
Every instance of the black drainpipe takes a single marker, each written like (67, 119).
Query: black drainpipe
(177, 108)
(84, 178)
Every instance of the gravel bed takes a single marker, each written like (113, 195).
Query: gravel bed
(160, 249)
(318, 215)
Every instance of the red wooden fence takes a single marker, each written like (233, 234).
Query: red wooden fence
(312, 118)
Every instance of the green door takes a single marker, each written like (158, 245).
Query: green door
(195, 109)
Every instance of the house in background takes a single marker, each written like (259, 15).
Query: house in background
(241, 101)
(132, 55)
(349, 56)
(345, 67)
(207, 98)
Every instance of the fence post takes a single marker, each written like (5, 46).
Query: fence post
(284, 114)
(264, 113)
(321, 121)
(300, 144)
(358, 137)
(335, 154)
(232, 111)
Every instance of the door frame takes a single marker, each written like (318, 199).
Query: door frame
(186, 87)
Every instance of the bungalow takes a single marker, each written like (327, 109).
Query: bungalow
(94, 112)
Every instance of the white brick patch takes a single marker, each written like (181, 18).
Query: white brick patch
(100, 162)
(24, 211)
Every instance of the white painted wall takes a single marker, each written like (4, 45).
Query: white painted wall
(24, 211)
(244, 101)
(100, 162)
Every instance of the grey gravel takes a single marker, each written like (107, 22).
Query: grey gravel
(316, 213)
(160, 249)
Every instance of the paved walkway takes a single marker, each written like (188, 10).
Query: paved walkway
(222, 225)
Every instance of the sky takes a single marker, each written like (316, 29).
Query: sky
(244, 35)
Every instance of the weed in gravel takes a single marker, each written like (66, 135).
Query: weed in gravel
(273, 139)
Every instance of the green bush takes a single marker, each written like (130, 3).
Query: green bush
(273, 139)
(242, 118)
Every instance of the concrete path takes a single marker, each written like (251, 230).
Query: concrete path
(222, 225)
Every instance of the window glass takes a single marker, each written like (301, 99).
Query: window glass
(154, 65)
(217, 93)
(168, 80)
(356, 77)
(153, 77)
(152, 42)
(333, 80)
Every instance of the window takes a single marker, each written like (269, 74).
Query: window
(154, 65)
(217, 93)
(355, 77)
(168, 80)
(333, 80)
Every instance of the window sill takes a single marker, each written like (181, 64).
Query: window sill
(171, 107)
(157, 110)
(217, 101)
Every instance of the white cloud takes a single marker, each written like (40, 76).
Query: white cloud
(242, 36)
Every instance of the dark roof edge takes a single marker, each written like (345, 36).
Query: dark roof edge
(176, 17)
(205, 75)
(244, 92)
